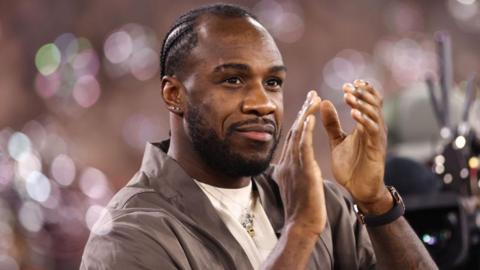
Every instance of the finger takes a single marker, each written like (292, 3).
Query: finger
(312, 106)
(367, 86)
(364, 92)
(379, 102)
(367, 124)
(374, 92)
(307, 154)
(301, 116)
(363, 107)
(285, 146)
(297, 124)
(331, 123)
(361, 93)
(361, 84)
(288, 140)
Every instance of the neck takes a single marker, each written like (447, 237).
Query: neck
(181, 149)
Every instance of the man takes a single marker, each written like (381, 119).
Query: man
(209, 199)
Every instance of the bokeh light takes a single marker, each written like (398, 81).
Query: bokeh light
(86, 63)
(407, 59)
(118, 47)
(283, 19)
(94, 183)
(18, 144)
(462, 9)
(474, 163)
(347, 66)
(47, 59)
(31, 216)
(132, 49)
(38, 186)
(63, 41)
(466, 14)
(63, 170)
(54, 199)
(28, 162)
(86, 91)
(47, 86)
(73, 85)
(144, 64)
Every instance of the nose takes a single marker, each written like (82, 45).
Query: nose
(257, 101)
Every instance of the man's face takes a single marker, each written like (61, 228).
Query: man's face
(234, 79)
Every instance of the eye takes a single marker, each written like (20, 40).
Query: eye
(274, 83)
(233, 81)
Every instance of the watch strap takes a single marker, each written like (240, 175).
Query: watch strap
(393, 214)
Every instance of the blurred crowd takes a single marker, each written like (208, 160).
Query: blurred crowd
(80, 96)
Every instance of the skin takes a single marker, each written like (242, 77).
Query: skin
(235, 73)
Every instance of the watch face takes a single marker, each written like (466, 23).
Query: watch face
(396, 196)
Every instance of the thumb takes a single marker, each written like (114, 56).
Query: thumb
(331, 123)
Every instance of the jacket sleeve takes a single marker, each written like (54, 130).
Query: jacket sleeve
(352, 248)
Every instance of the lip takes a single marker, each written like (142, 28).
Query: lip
(257, 132)
(266, 128)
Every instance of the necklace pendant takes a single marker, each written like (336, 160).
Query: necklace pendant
(250, 231)
(247, 224)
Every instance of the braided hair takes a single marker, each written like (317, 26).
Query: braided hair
(182, 36)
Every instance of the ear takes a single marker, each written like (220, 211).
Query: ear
(173, 94)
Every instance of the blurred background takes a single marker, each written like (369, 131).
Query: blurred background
(80, 97)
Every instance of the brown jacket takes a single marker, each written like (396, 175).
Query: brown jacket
(162, 220)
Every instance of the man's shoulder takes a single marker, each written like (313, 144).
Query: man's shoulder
(137, 194)
(139, 207)
(124, 237)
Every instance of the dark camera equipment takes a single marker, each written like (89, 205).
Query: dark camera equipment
(443, 203)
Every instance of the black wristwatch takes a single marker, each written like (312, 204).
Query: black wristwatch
(394, 213)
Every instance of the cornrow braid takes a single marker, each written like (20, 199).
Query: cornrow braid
(182, 37)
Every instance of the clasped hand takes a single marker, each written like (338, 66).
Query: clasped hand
(358, 159)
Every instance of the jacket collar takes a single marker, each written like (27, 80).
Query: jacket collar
(169, 179)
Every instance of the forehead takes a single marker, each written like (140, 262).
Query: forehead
(242, 40)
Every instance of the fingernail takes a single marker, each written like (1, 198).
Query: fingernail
(310, 94)
(357, 112)
(350, 97)
(359, 83)
(348, 86)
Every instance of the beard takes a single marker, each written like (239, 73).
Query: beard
(219, 154)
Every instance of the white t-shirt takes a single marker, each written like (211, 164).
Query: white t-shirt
(230, 204)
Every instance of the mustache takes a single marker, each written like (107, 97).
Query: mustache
(261, 121)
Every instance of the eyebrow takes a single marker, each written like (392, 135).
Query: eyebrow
(244, 67)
